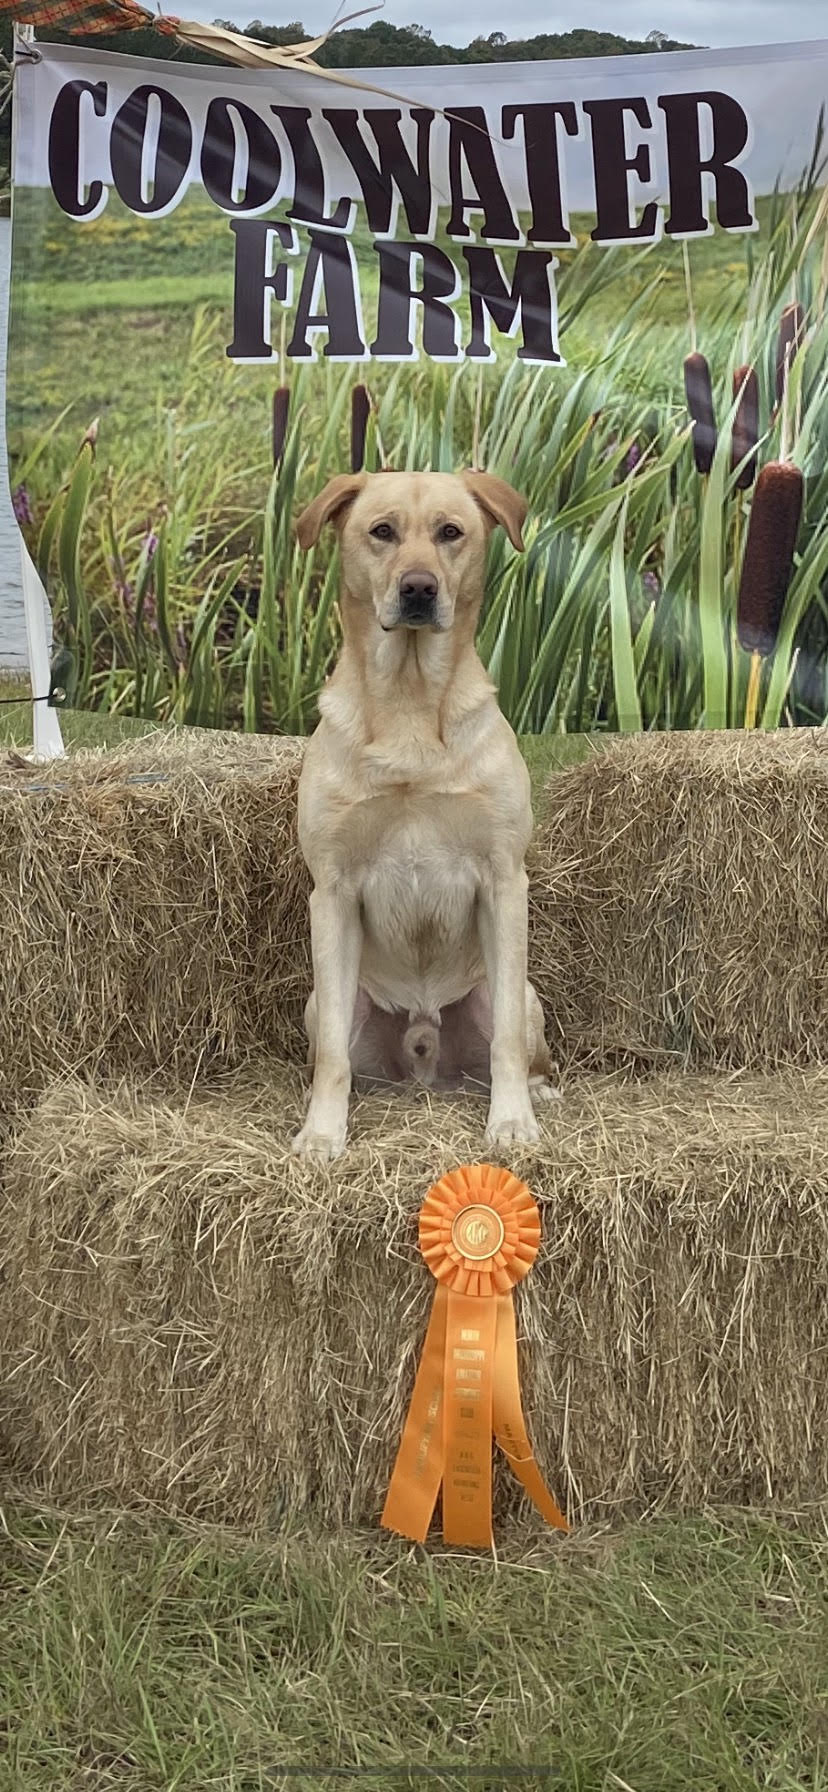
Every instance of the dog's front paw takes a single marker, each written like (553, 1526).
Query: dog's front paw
(317, 1144)
(515, 1125)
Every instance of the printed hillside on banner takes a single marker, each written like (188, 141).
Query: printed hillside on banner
(578, 274)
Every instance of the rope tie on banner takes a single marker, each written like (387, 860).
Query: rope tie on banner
(20, 702)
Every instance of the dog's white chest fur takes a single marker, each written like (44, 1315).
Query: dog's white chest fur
(416, 845)
(417, 888)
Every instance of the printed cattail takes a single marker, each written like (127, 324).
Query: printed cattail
(360, 412)
(789, 339)
(281, 410)
(700, 405)
(745, 425)
(768, 558)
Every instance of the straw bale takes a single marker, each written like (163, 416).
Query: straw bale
(189, 1317)
(152, 909)
(679, 902)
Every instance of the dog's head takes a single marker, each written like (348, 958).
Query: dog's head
(414, 544)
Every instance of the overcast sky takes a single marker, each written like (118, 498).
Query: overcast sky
(692, 21)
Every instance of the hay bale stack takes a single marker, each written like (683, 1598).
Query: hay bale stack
(189, 1317)
(680, 902)
(153, 909)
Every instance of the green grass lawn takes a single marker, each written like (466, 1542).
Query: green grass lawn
(141, 1656)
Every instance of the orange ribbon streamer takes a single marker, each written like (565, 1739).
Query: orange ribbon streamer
(479, 1234)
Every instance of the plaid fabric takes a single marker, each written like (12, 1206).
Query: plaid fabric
(85, 15)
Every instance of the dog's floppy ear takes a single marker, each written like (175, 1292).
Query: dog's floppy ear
(499, 502)
(328, 506)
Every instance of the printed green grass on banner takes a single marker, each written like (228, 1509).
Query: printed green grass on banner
(70, 276)
(195, 242)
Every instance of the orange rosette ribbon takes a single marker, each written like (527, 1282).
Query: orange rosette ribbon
(479, 1234)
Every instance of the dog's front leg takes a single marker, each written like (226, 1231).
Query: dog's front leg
(336, 944)
(503, 921)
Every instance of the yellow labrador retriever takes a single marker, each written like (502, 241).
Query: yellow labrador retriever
(415, 816)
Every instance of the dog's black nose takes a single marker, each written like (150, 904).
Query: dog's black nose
(418, 597)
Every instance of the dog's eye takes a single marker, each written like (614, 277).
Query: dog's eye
(382, 532)
(450, 532)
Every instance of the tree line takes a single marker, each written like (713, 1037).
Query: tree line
(382, 44)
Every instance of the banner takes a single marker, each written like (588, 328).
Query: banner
(603, 280)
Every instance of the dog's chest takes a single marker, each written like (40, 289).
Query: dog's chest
(420, 872)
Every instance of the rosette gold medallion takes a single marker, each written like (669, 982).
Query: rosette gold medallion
(479, 1234)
